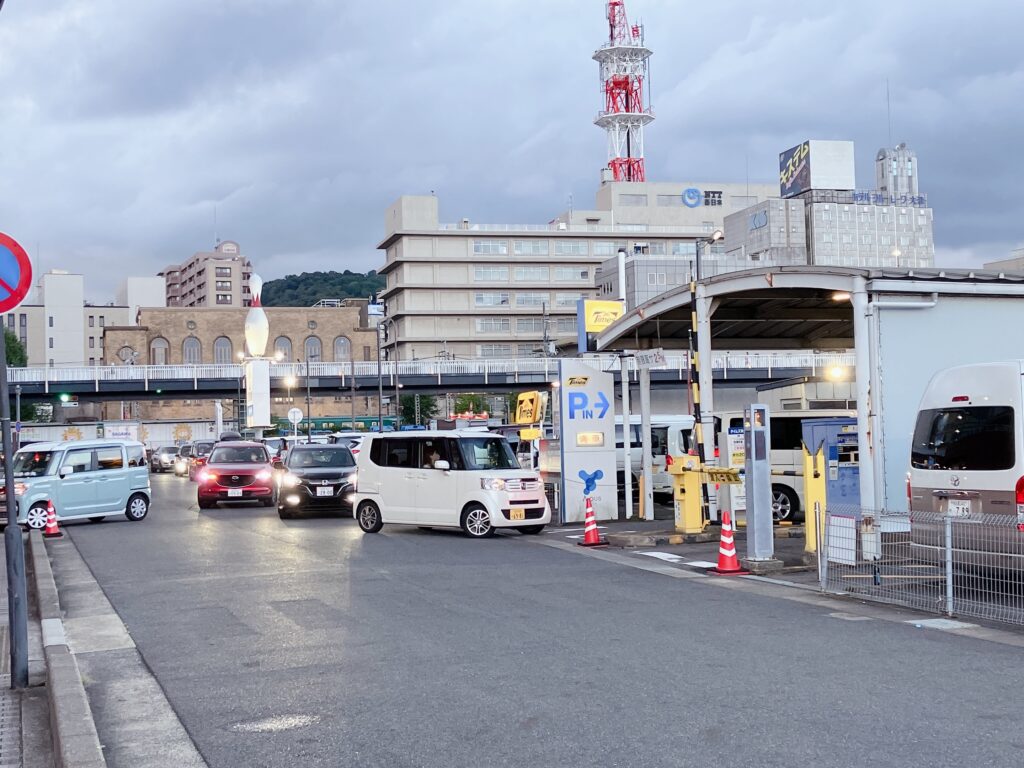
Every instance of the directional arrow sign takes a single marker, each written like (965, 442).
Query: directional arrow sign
(602, 403)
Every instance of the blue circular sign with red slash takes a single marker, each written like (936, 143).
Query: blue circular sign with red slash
(15, 273)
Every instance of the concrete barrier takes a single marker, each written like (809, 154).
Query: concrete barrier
(75, 741)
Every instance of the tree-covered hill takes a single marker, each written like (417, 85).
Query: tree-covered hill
(308, 288)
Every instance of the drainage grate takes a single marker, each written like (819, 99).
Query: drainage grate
(10, 726)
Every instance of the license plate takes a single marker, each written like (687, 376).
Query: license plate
(517, 514)
(325, 491)
(234, 493)
(959, 508)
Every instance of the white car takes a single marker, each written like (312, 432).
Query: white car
(453, 479)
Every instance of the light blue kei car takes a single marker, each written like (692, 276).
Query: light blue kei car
(85, 479)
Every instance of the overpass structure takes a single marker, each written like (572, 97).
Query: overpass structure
(142, 382)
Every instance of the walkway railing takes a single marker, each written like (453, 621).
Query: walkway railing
(548, 367)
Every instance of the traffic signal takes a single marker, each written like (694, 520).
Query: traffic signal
(64, 397)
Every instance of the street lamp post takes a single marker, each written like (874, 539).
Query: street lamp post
(238, 400)
(309, 402)
(715, 237)
(17, 416)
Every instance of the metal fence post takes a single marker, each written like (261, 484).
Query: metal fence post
(949, 565)
(823, 554)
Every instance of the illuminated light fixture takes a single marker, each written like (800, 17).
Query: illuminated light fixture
(841, 296)
(836, 373)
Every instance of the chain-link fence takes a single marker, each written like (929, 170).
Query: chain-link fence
(970, 566)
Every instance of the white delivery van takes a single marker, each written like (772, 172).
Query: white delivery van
(671, 435)
(452, 479)
(967, 460)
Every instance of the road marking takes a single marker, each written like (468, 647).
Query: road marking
(849, 616)
(666, 556)
(940, 624)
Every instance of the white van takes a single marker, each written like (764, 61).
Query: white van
(967, 460)
(452, 479)
(787, 454)
(83, 478)
(671, 435)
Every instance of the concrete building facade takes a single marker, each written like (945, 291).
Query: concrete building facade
(511, 290)
(1013, 264)
(58, 326)
(218, 278)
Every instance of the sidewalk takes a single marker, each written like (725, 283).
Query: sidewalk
(25, 740)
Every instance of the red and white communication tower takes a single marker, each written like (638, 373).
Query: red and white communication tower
(627, 109)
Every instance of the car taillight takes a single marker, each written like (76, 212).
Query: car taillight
(207, 477)
(1019, 493)
(910, 490)
(668, 459)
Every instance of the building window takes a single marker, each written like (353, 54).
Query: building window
(608, 248)
(283, 345)
(92, 361)
(865, 239)
(23, 320)
(223, 298)
(103, 321)
(847, 239)
(532, 299)
(532, 274)
(223, 285)
(670, 200)
(572, 274)
(572, 247)
(490, 247)
(826, 237)
(222, 272)
(684, 248)
(366, 354)
(567, 299)
(566, 325)
(10, 321)
(493, 325)
(494, 350)
(633, 200)
(531, 247)
(486, 274)
(191, 351)
(342, 349)
(92, 321)
(158, 349)
(529, 325)
(223, 353)
(657, 248)
(712, 198)
(923, 242)
(528, 350)
(491, 299)
(92, 342)
(51, 321)
(657, 278)
(51, 342)
(313, 348)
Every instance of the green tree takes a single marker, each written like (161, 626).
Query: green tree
(471, 402)
(428, 408)
(308, 288)
(16, 355)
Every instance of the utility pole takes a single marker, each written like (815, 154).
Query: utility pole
(380, 383)
(17, 416)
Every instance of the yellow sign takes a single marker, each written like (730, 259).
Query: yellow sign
(529, 435)
(722, 476)
(590, 439)
(528, 408)
(578, 381)
(598, 315)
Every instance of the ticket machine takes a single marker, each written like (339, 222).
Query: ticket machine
(842, 459)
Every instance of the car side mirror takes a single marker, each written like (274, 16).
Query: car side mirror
(442, 465)
(63, 474)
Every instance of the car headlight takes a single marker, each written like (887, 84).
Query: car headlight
(263, 475)
(492, 484)
(290, 481)
(351, 479)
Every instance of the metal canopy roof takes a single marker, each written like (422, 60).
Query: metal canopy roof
(789, 307)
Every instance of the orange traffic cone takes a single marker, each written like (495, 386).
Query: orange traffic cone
(728, 563)
(51, 531)
(591, 538)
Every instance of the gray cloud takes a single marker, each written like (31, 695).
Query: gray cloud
(125, 124)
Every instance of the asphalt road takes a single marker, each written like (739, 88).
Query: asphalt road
(308, 643)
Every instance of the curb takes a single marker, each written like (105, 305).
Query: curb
(75, 741)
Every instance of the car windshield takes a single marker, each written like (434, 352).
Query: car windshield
(977, 438)
(316, 458)
(202, 449)
(487, 453)
(238, 454)
(167, 451)
(32, 463)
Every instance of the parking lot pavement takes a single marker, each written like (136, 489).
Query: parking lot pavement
(307, 642)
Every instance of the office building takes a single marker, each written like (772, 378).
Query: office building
(1013, 264)
(218, 278)
(58, 326)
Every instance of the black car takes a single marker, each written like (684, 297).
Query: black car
(316, 476)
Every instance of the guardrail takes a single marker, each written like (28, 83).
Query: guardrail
(725, 362)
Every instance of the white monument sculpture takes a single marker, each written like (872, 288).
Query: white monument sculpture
(257, 367)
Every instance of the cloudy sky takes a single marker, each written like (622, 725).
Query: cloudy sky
(127, 124)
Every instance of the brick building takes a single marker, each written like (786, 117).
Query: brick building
(185, 335)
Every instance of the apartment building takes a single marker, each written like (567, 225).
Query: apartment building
(470, 290)
(218, 278)
(58, 326)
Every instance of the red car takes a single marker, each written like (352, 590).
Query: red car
(236, 471)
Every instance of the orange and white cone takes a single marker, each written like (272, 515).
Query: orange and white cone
(51, 531)
(728, 563)
(591, 538)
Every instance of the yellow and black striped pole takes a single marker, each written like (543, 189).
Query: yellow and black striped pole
(698, 427)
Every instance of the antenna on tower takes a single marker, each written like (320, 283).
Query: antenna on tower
(625, 76)
(888, 110)
(216, 237)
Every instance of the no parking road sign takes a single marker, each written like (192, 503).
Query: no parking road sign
(15, 273)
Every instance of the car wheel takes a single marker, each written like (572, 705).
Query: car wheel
(97, 519)
(204, 504)
(285, 514)
(267, 502)
(785, 504)
(476, 522)
(368, 517)
(531, 530)
(137, 509)
(35, 519)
